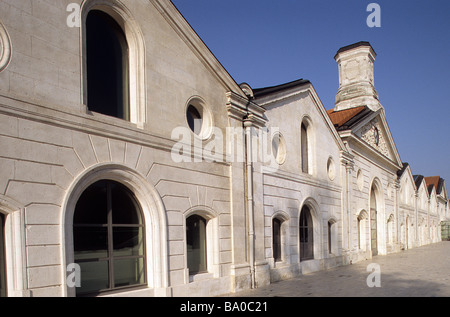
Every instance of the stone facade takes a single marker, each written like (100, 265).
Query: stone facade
(53, 148)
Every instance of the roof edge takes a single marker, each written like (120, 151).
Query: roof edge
(260, 92)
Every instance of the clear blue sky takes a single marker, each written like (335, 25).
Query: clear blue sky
(270, 42)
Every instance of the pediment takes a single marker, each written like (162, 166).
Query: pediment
(374, 131)
(374, 135)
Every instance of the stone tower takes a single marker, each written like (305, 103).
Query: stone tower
(356, 78)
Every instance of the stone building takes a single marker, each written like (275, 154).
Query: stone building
(132, 164)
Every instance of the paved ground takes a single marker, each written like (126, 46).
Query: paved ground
(418, 272)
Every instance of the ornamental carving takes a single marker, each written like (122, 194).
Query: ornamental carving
(371, 133)
(5, 47)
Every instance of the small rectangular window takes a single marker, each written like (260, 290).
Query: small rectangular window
(196, 244)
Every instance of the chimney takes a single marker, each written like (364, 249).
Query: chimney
(356, 81)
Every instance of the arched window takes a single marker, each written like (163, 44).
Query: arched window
(362, 221)
(2, 257)
(196, 244)
(390, 230)
(276, 239)
(305, 148)
(330, 240)
(306, 235)
(107, 66)
(108, 235)
(373, 222)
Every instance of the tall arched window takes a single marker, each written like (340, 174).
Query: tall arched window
(306, 235)
(2, 257)
(373, 222)
(305, 148)
(330, 240)
(196, 244)
(107, 66)
(108, 235)
(276, 242)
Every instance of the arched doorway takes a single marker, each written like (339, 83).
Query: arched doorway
(373, 222)
(306, 235)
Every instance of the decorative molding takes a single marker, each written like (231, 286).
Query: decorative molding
(372, 135)
(5, 48)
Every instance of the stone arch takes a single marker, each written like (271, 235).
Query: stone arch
(376, 207)
(152, 210)
(332, 235)
(314, 210)
(307, 150)
(136, 45)
(283, 238)
(390, 227)
(363, 229)
(212, 238)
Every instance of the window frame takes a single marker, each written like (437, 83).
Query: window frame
(120, 70)
(308, 228)
(277, 244)
(204, 254)
(307, 139)
(110, 257)
(136, 57)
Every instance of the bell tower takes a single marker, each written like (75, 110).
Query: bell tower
(356, 77)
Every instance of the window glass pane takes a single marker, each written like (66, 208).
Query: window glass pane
(107, 65)
(94, 277)
(304, 146)
(194, 119)
(91, 207)
(276, 239)
(100, 247)
(90, 242)
(306, 235)
(128, 241)
(2, 258)
(129, 272)
(196, 244)
(125, 209)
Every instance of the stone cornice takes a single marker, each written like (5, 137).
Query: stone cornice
(243, 109)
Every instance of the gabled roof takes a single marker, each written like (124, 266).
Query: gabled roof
(418, 179)
(401, 171)
(350, 124)
(344, 119)
(435, 181)
(269, 96)
(260, 92)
